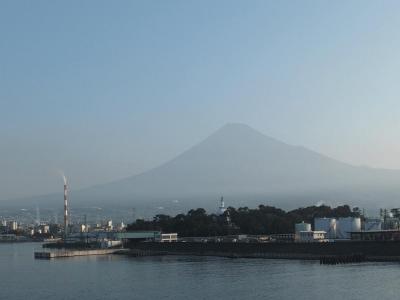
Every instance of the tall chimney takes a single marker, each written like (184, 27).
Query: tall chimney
(65, 210)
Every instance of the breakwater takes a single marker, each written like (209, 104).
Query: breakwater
(369, 251)
(49, 254)
(341, 259)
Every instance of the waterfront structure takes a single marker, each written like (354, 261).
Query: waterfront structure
(326, 224)
(168, 237)
(311, 236)
(110, 225)
(391, 223)
(47, 254)
(83, 228)
(137, 236)
(376, 235)
(12, 225)
(347, 225)
(372, 224)
(299, 227)
(282, 237)
(391, 218)
(8, 237)
(106, 243)
(122, 226)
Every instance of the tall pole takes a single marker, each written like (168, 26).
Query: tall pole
(86, 230)
(65, 211)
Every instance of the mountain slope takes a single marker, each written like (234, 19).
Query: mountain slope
(238, 161)
(246, 166)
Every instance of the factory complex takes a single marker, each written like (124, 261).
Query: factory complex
(384, 228)
(347, 238)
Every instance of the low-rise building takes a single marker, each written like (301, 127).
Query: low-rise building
(376, 235)
(282, 237)
(12, 225)
(311, 236)
(168, 237)
(299, 227)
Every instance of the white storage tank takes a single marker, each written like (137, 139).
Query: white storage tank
(372, 224)
(326, 224)
(302, 227)
(346, 225)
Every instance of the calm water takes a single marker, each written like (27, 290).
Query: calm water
(120, 277)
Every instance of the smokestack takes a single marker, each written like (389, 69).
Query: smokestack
(65, 209)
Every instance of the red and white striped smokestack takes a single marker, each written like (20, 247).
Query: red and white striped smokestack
(65, 208)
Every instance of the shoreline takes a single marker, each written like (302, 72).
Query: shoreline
(369, 251)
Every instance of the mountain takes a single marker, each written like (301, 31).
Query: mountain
(248, 168)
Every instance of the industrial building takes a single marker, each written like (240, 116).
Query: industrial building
(326, 224)
(312, 236)
(347, 225)
(304, 234)
(339, 228)
(138, 236)
(301, 227)
(372, 224)
(383, 228)
(12, 225)
(168, 237)
(328, 229)
(282, 237)
(376, 235)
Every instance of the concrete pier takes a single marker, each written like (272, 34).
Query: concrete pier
(56, 253)
(340, 251)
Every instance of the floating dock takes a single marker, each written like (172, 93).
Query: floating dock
(49, 254)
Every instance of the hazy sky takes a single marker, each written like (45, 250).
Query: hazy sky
(106, 89)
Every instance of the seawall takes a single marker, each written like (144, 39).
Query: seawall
(372, 251)
(49, 254)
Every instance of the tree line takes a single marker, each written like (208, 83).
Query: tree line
(261, 220)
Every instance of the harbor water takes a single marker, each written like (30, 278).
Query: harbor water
(184, 277)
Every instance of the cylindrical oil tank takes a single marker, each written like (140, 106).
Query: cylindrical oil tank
(346, 225)
(372, 224)
(326, 224)
(302, 227)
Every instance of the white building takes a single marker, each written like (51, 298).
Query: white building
(84, 228)
(13, 225)
(346, 225)
(45, 228)
(326, 224)
(122, 226)
(312, 236)
(110, 243)
(168, 237)
(110, 225)
(299, 227)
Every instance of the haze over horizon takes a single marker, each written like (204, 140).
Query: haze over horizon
(246, 167)
(104, 91)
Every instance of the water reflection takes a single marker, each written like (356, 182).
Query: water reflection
(184, 277)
